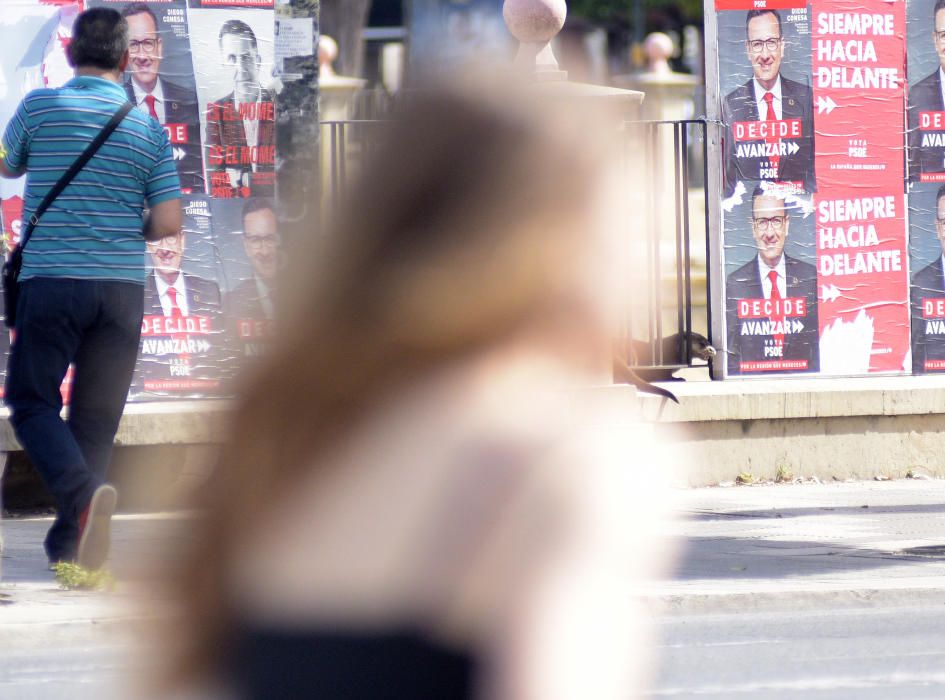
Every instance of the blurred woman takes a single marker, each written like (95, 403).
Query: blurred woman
(417, 499)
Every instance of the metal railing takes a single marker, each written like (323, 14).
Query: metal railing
(658, 336)
(665, 325)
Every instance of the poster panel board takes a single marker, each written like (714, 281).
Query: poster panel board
(813, 221)
(226, 263)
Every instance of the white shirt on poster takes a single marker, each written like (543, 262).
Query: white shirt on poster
(265, 298)
(251, 126)
(764, 269)
(760, 99)
(181, 289)
(158, 93)
(941, 82)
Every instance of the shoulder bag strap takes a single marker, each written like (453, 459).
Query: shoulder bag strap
(73, 170)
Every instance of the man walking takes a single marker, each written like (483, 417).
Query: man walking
(83, 275)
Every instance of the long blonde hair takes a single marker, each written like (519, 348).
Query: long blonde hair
(468, 227)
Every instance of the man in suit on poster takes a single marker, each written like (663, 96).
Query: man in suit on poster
(927, 297)
(925, 101)
(172, 105)
(768, 97)
(168, 290)
(786, 292)
(251, 304)
(241, 125)
(253, 297)
(196, 351)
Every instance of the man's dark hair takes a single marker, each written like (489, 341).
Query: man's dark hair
(139, 8)
(99, 39)
(941, 189)
(939, 5)
(758, 13)
(257, 204)
(239, 28)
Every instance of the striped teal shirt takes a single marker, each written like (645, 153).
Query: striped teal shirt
(93, 230)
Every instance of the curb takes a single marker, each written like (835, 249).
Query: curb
(782, 598)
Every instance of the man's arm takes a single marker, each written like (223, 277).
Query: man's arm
(165, 219)
(162, 194)
(14, 145)
(8, 172)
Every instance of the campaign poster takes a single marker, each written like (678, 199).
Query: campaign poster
(812, 101)
(859, 62)
(767, 102)
(160, 81)
(185, 351)
(769, 180)
(232, 49)
(927, 284)
(925, 106)
(771, 285)
(253, 262)
(32, 55)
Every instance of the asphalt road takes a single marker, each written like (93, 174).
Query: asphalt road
(56, 672)
(855, 653)
(859, 654)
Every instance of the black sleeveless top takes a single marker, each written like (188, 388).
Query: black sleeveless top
(271, 664)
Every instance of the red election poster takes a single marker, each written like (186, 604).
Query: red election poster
(814, 242)
(232, 47)
(769, 176)
(925, 22)
(858, 58)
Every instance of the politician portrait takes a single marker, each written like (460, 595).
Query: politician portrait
(927, 292)
(251, 304)
(926, 104)
(768, 120)
(771, 300)
(183, 345)
(240, 125)
(172, 104)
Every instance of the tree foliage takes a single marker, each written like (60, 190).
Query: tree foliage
(620, 13)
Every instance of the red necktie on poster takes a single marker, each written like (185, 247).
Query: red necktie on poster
(778, 316)
(178, 315)
(175, 307)
(149, 101)
(770, 116)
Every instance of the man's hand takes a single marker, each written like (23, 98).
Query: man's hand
(4, 170)
(163, 220)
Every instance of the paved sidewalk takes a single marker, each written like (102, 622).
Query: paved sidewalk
(802, 545)
(35, 610)
(752, 547)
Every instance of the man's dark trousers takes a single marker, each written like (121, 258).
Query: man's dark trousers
(96, 325)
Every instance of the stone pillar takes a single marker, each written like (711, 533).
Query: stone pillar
(335, 91)
(535, 23)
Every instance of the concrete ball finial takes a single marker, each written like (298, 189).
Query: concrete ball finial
(327, 49)
(659, 49)
(327, 53)
(535, 21)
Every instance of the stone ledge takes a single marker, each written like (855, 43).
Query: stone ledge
(189, 422)
(829, 428)
(769, 399)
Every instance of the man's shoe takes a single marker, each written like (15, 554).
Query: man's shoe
(95, 528)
